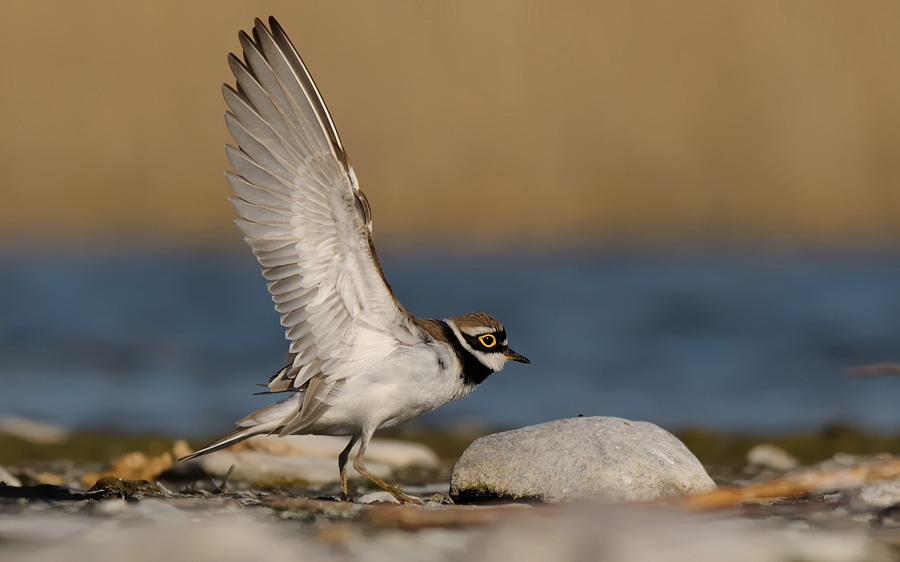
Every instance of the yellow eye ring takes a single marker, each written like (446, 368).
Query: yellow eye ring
(488, 340)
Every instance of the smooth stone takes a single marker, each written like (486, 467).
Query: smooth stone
(380, 496)
(9, 479)
(599, 458)
(769, 456)
(33, 431)
(394, 453)
(112, 487)
(311, 458)
(257, 467)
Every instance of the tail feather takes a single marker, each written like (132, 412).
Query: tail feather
(235, 436)
(267, 420)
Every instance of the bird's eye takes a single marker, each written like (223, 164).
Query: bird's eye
(488, 340)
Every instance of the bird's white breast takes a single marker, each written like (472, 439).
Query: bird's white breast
(404, 384)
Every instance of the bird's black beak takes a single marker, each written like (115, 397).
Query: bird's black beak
(510, 354)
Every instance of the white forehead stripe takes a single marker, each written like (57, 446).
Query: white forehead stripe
(479, 331)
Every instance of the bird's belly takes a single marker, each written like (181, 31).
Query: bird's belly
(402, 387)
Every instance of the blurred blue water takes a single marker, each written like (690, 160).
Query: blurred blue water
(177, 344)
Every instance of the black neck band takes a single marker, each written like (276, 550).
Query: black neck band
(473, 371)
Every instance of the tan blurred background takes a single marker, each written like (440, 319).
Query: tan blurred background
(773, 123)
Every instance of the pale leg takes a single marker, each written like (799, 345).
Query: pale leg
(342, 465)
(361, 468)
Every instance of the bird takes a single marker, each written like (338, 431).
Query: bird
(358, 360)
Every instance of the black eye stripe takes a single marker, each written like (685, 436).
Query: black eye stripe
(475, 341)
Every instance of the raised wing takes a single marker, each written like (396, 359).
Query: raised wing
(307, 222)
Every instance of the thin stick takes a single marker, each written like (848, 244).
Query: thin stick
(807, 482)
(874, 370)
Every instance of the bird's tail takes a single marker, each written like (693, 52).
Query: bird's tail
(235, 436)
(268, 420)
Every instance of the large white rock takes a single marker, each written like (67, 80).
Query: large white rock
(598, 458)
(312, 458)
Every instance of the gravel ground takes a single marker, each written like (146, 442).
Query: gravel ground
(846, 508)
(199, 521)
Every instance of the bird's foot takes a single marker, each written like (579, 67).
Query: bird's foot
(401, 497)
(404, 498)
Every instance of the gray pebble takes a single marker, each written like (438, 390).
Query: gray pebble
(769, 456)
(878, 495)
(380, 496)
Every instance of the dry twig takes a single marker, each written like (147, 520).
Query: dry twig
(874, 370)
(807, 482)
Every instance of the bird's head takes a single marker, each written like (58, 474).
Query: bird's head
(485, 338)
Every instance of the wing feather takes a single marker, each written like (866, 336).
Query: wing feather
(253, 195)
(266, 96)
(256, 124)
(286, 285)
(299, 90)
(282, 271)
(262, 232)
(255, 149)
(260, 215)
(271, 245)
(257, 177)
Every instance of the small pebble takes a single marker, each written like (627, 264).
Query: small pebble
(769, 456)
(380, 496)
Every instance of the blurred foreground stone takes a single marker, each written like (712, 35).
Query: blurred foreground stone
(588, 532)
(154, 530)
(600, 458)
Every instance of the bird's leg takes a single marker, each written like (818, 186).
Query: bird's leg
(361, 468)
(342, 465)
